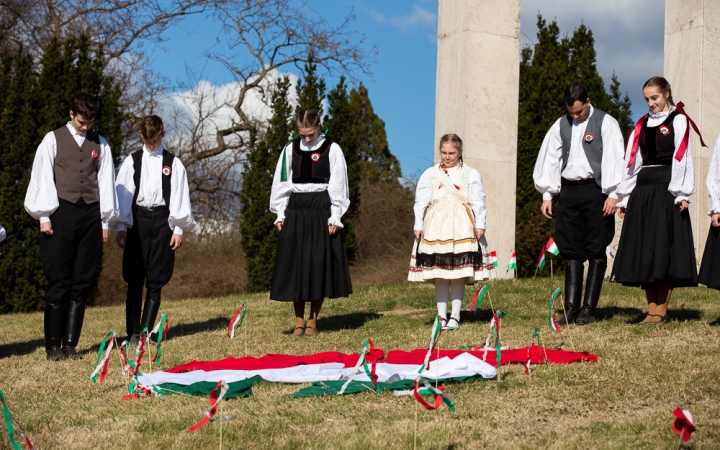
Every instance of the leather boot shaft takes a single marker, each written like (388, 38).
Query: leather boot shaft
(593, 285)
(150, 312)
(54, 324)
(74, 316)
(573, 290)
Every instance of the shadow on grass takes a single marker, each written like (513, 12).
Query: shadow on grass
(482, 315)
(184, 329)
(340, 322)
(684, 314)
(20, 348)
(634, 314)
(715, 322)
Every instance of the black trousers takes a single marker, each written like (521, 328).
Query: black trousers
(70, 261)
(147, 260)
(581, 231)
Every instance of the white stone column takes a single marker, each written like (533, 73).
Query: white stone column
(692, 66)
(478, 71)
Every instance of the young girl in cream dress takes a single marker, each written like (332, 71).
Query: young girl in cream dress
(449, 221)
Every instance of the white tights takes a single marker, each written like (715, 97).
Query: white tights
(456, 290)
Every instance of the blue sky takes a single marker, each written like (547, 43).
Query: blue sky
(402, 87)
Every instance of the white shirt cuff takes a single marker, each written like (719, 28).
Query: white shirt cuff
(613, 195)
(105, 226)
(279, 219)
(44, 219)
(547, 196)
(178, 230)
(680, 198)
(335, 221)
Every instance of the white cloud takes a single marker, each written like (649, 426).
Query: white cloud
(629, 36)
(420, 18)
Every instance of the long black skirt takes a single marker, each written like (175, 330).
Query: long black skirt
(656, 241)
(710, 265)
(309, 263)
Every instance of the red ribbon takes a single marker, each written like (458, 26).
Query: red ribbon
(210, 412)
(426, 405)
(680, 108)
(682, 426)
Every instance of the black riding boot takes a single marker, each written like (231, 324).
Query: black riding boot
(133, 307)
(74, 316)
(150, 312)
(596, 273)
(573, 291)
(54, 322)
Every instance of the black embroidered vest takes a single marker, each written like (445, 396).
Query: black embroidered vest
(167, 163)
(657, 144)
(311, 166)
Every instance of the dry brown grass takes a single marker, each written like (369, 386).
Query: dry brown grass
(625, 400)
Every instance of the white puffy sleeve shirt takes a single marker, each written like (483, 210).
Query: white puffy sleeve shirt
(548, 166)
(428, 184)
(713, 179)
(150, 193)
(682, 180)
(41, 199)
(337, 187)
(3, 233)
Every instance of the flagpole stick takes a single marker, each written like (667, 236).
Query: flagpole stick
(544, 350)
(416, 426)
(536, 269)
(492, 308)
(246, 352)
(221, 421)
(681, 442)
(552, 277)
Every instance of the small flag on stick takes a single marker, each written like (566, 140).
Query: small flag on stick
(237, 320)
(436, 330)
(512, 265)
(552, 247)
(541, 260)
(103, 358)
(440, 395)
(161, 329)
(9, 422)
(551, 314)
(216, 397)
(478, 298)
(683, 424)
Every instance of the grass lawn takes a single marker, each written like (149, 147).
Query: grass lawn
(625, 400)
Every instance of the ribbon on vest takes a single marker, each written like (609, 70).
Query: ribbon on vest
(680, 108)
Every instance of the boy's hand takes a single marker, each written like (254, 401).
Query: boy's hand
(610, 206)
(106, 233)
(546, 208)
(120, 239)
(716, 220)
(46, 228)
(621, 212)
(176, 241)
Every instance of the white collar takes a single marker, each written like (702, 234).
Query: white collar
(157, 152)
(318, 142)
(73, 131)
(662, 114)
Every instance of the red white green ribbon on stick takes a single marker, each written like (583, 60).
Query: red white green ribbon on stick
(216, 397)
(436, 330)
(536, 334)
(128, 365)
(140, 350)
(478, 298)
(683, 424)
(237, 320)
(9, 421)
(163, 325)
(367, 347)
(440, 395)
(498, 344)
(103, 357)
(551, 314)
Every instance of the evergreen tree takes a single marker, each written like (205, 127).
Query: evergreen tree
(546, 70)
(341, 126)
(258, 233)
(31, 106)
(310, 91)
(377, 164)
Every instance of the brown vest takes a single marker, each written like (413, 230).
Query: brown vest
(76, 166)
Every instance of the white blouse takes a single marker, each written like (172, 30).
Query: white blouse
(426, 188)
(682, 180)
(548, 167)
(150, 193)
(337, 187)
(3, 233)
(713, 180)
(41, 199)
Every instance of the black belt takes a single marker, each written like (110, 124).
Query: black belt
(566, 182)
(153, 208)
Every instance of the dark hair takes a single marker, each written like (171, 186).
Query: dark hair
(85, 105)
(662, 84)
(307, 119)
(575, 93)
(151, 128)
(453, 139)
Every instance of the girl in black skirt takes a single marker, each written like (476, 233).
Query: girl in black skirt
(309, 196)
(710, 266)
(656, 250)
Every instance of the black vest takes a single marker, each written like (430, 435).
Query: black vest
(311, 166)
(75, 166)
(168, 159)
(657, 144)
(593, 148)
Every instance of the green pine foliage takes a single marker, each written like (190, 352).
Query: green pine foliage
(310, 91)
(31, 105)
(258, 233)
(546, 70)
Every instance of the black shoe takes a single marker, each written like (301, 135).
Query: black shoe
(585, 317)
(71, 353)
(55, 354)
(571, 317)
